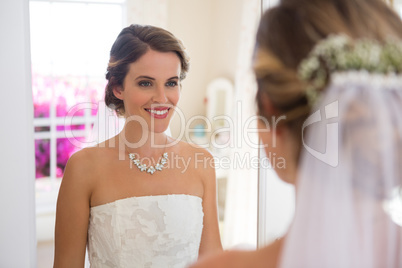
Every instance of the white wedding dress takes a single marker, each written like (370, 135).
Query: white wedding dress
(146, 231)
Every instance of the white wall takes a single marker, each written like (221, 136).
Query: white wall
(210, 31)
(17, 171)
(190, 21)
(225, 41)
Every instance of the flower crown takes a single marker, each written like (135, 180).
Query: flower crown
(341, 53)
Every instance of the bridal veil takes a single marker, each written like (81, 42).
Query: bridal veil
(349, 208)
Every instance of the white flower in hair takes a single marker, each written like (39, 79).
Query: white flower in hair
(339, 53)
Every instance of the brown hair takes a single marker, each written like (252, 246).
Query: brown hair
(289, 31)
(132, 43)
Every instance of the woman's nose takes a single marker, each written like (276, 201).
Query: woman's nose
(160, 95)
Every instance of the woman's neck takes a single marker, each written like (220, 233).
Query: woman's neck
(146, 143)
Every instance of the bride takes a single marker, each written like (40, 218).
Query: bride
(141, 198)
(333, 70)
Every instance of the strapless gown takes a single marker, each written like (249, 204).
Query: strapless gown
(146, 231)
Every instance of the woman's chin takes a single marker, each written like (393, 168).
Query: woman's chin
(159, 128)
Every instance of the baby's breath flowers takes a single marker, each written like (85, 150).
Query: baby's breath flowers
(339, 53)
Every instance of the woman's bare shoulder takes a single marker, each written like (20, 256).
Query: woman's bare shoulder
(96, 153)
(85, 156)
(201, 162)
(194, 149)
(89, 161)
(78, 166)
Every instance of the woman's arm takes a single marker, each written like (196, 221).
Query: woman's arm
(72, 213)
(210, 239)
(266, 257)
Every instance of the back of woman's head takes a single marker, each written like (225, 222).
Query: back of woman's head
(289, 31)
(132, 43)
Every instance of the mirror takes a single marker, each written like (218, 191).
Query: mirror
(69, 58)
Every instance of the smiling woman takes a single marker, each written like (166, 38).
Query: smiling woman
(150, 89)
(138, 217)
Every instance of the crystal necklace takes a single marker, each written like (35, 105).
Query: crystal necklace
(151, 169)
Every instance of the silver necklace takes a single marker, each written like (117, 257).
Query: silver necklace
(151, 169)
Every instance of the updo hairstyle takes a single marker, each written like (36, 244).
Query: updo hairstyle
(132, 43)
(286, 35)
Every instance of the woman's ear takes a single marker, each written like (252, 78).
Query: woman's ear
(118, 92)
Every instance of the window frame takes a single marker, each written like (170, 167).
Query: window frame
(47, 187)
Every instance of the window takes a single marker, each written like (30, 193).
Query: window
(70, 43)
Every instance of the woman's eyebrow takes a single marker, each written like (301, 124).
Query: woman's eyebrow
(144, 77)
(151, 78)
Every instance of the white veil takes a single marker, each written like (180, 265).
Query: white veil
(349, 208)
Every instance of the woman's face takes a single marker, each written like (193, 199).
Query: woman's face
(151, 89)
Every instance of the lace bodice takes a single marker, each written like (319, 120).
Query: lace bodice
(146, 231)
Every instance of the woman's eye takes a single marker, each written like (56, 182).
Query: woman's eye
(145, 84)
(171, 83)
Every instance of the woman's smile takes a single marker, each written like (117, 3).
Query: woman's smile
(158, 112)
(151, 89)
